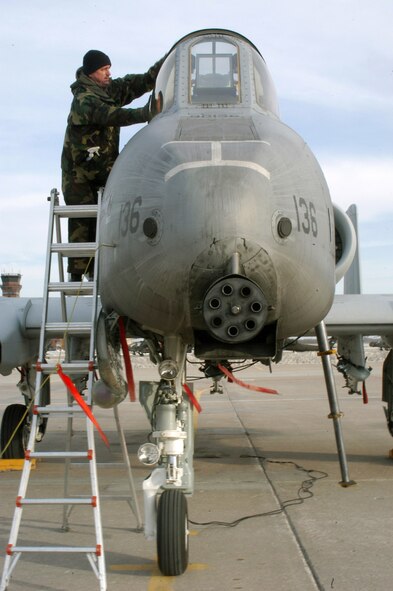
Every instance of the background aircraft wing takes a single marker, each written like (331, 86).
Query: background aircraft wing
(362, 314)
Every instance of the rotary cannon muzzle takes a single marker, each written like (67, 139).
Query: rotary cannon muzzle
(234, 309)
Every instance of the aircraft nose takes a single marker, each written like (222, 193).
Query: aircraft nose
(234, 309)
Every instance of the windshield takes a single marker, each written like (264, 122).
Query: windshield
(264, 88)
(165, 83)
(214, 72)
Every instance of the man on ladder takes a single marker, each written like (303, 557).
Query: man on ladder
(91, 143)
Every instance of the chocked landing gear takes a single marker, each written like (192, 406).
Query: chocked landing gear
(171, 448)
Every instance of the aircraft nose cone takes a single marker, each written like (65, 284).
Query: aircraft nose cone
(234, 309)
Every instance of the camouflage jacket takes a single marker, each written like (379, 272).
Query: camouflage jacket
(91, 142)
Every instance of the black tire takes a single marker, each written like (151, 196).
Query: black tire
(172, 533)
(11, 418)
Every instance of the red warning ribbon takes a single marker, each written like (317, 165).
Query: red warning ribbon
(232, 378)
(127, 360)
(365, 395)
(192, 398)
(82, 403)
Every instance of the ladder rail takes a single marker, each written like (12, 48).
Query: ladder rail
(95, 493)
(60, 263)
(95, 301)
(48, 264)
(54, 195)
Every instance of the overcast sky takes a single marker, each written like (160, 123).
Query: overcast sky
(331, 61)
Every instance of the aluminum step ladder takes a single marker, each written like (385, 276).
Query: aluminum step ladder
(75, 368)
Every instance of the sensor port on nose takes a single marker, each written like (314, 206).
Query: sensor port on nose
(284, 227)
(216, 321)
(150, 227)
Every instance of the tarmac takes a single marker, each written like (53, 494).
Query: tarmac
(267, 462)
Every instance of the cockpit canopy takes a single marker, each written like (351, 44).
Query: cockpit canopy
(214, 72)
(215, 68)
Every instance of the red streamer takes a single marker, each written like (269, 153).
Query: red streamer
(232, 378)
(192, 398)
(127, 360)
(78, 398)
(365, 395)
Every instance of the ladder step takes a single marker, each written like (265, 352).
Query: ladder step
(75, 249)
(69, 368)
(51, 409)
(76, 211)
(73, 328)
(72, 288)
(59, 454)
(77, 549)
(65, 501)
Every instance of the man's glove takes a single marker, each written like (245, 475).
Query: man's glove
(146, 111)
(153, 71)
(156, 104)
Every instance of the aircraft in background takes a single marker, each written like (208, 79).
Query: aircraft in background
(217, 231)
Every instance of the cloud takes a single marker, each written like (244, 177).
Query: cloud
(24, 215)
(309, 87)
(365, 181)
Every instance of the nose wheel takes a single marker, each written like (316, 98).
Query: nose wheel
(172, 532)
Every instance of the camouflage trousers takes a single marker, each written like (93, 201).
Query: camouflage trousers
(80, 229)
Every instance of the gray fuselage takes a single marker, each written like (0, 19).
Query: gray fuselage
(213, 190)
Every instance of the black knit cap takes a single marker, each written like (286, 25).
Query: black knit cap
(94, 60)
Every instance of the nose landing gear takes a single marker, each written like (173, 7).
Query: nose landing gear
(170, 413)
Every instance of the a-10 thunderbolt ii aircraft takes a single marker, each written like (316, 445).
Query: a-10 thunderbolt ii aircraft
(217, 231)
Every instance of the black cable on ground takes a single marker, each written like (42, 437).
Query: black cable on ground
(304, 492)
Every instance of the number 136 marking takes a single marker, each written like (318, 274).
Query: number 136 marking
(306, 216)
